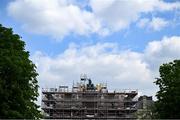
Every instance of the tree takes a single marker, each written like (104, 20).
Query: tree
(168, 96)
(18, 83)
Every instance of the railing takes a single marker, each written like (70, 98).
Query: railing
(126, 91)
(95, 105)
(107, 107)
(110, 91)
(89, 99)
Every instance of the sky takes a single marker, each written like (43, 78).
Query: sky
(118, 42)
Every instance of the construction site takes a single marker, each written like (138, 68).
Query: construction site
(88, 101)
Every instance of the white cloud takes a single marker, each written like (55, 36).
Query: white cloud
(101, 60)
(53, 17)
(106, 62)
(158, 52)
(59, 18)
(119, 14)
(143, 22)
(156, 24)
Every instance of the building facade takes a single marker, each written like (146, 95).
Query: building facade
(88, 101)
(144, 105)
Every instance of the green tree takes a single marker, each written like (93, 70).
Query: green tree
(18, 83)
(168, 96)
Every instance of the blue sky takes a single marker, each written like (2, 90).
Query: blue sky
(122, 42)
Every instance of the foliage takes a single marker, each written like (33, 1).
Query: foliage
(18, 83)
(168, 96)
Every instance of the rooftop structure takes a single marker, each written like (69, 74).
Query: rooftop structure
(144, 105)
(88, 101)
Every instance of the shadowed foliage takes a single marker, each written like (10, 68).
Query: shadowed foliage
(18, 83)
(168, 103)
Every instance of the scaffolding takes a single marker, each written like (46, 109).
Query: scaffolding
(87, 101)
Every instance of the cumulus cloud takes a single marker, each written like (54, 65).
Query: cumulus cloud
(158, 23)
(101, 60)
(59, 18)
(121, 69)
(53, 17)
(143, 22)
(155, 24)
(158, 52)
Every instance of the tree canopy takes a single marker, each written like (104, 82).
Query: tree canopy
(18, 83)
(168, 96)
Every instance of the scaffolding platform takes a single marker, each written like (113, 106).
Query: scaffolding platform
(86, 101)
